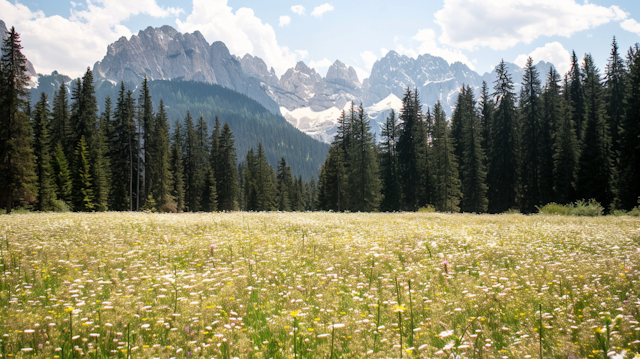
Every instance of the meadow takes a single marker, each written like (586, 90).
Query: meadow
(319, 285)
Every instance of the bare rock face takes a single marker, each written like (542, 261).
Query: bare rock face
(31, 71)
(166, 54)
(340, 75)
(257, 68)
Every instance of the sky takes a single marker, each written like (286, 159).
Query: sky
(69, 36)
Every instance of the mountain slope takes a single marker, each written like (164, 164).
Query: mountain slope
(31, 71)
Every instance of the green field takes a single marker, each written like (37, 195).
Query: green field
(317, 285)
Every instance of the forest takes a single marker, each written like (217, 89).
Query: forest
(564, 139)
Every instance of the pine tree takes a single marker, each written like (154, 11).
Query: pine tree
(83, 193)
(146, 120)
(391, 200)
(159, 165)
(446, 182)
(121, 153)
(332, 183)
(284, 186)
(565, 157)
(192, 170)
(576, 95)
(89, 110)
(61, 175)
(615, 76)
(412, 153)
(552, 105)
(263, 181)
(628, 190)
(532, 136)
(502, 175)
(594, 167)
(227, 171)
(472, 161)
(46, 188)
(60, 128)
(17, 162)
(363, 177)
(486, 118)
(176, 167)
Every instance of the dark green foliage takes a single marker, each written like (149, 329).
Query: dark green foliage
(412, 154)
(446, 193)
(146, 120)
(226, 171)
(332, 184)
(576, 95)
(502, 175)
(552, 105)
(533, 136)
(472, 161)
(486, 116)
(60, 128)
(82, 191)
(628, 192)
(363, 177)
(176, 167)
(41, 147)
(159, 165)
(390, 190)
(101, 168)
(565, 156)
(17, 162)
(615, 91)
(122, 149)
(259, 186)
(594, 167)
(285, 188)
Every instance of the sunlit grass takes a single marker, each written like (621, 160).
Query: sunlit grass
(316, 285)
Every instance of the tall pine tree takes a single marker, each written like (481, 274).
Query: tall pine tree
(41, 147)
(363, 178)
(227, 171)
(177, 167)
(565, 156)
(445, 167)
(391, 199)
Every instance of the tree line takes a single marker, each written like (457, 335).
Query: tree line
(64, 155)
(575, 137)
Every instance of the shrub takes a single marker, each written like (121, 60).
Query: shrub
(589, 208)
(428, 209)
(60, 206)
(634, 212)
(554, 208)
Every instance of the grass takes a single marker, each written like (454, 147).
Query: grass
(318, 285)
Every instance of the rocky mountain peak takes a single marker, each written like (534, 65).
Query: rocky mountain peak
(339, 74)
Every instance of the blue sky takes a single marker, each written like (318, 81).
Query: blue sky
(69, 36)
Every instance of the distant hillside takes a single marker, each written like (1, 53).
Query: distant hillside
(250, 121)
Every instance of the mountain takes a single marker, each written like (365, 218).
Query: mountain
(31, 71)
(166, 54)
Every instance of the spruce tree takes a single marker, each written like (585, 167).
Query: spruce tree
(332, 183)
(391, 200)
(628, 188)
(160, 162)
(60, 128)
(552, 105)
(445, 172)
(502, 174)
(121, 152)
(83, 193)
(363, 177)
(17, 162)
(594, 167)
(565, 156)
(192, 170)
(486, 117)
(576, 95)
(146, 119)
(61, 175)
(615, 76)
(176, 167)
(264, 182)
(284, 186)
(227, 171)
(101, 169)
(472, 163)
(41, 146)
(533, 137)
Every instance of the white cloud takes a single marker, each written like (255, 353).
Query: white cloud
(284, 20)
(631, 25)
(369, 59)
(502, 24)
(362, 74)
(552, 52)
(70, 45)
(384, 51)
(427, 39)
(241, 31)
(324, 63)
(320, 10)
(298, 9)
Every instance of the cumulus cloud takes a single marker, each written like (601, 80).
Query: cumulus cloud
(284, 20)
(552, 52)
(631, 25)
(470, 24)
(241, 31)
(320, 10)
(298, 9)
(428, 45)
(70, 45)
(369, 59)
(324, 63)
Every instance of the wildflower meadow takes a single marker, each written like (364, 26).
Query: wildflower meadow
(318, 285)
